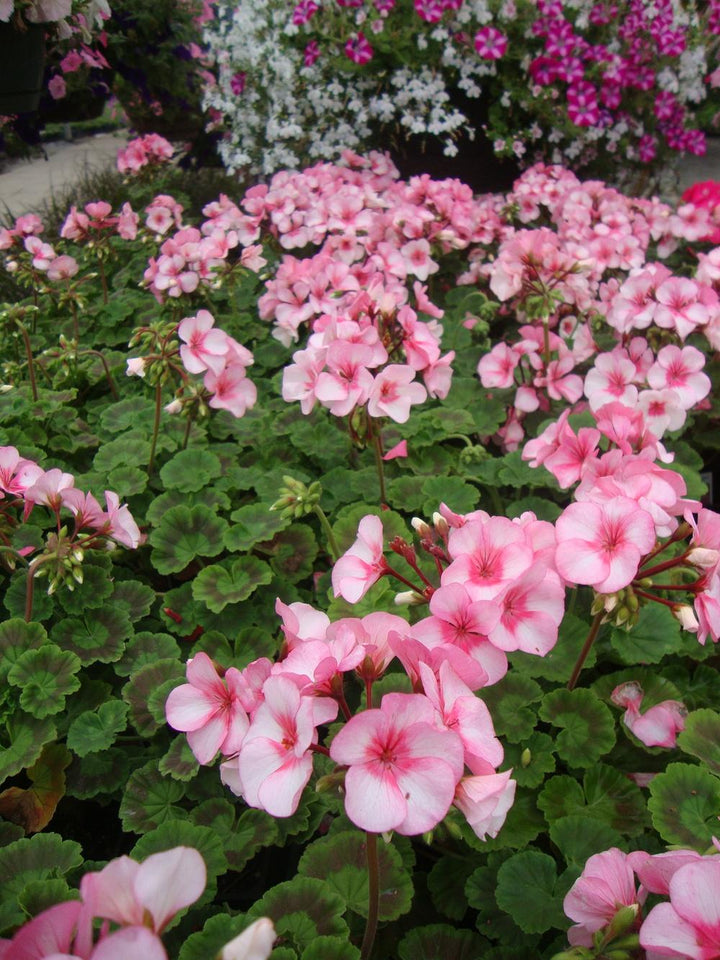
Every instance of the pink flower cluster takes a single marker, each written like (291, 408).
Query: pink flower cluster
(405, 762)
(221, 359)
(139, 900)
(151, 150)
(28, 484)
(685, 927)
(659, 725)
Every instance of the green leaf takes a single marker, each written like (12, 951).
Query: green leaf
(606, 794)
(146, 692)
(16, 637)
(341, 861)
(656, 634)
(208, 942)
(685, 805)
(529, 768)
(151, 799)
(330, 948)
(526, 890)
(292, 553)
(459, 496)
(345, 527)
(302, 910)
(191, 470)
(91, 593)
(701, 738)
(127, 481)
(543, 509)
(96, 729)
(587, 725)
(26, 737)
(146, 648)
(41, 858)
(441, 942)
(509, 702)
(39, 895)
(406, 493)
(96, 637)
(216, 586)
(130, 450)
(560, 796)
(579, 837)
(43, 606)
(558, 663)
(254, 830)
(446, 883)
(135, 412)
(213, 498)
(185, 533)
(46, 676)
(183, 833)
(216, 813)
(179, 762)
(138, 597)
(254, 522)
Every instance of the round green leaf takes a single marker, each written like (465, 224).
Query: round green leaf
(98, 636)
(529, 768)
(526, 890)
(588, 727)
(685, 805)
(46, 676)
(138, 597)
(208, 942)
(459, 496)
(26, 737)
(341, 861)
(446, 883)
(302, 910)
(146, 648)
(579, 837)
(701, 738)
(130, 450)
(253, 831)
(510, 703)
(216, 586)
(254, 522)
(557, 664)
(96, 729)
(441, 942)
(185, 533)
(150, 799)
(656, 634)
(183, 833)
(330, 948)
(191, 470)
(43, 606)
(141, 694)
(16, 637)
(179, 762)
(91, 593)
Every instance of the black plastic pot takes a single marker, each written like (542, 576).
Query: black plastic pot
(22, 56)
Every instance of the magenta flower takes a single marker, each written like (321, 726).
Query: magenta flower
(490, 43)
(601, 544)
(363, 564)
(402, 769)
(358, 49)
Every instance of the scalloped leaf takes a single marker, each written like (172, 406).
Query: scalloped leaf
(134, 412)
(46, 676)
(97, 637)
(43, 606)
(216, 813)
(253, 831)
(127, 481)
(33, 807)
(330, 948)
(145, 684)
(656, 634)
(606, 794)
(38, 895)
(16, 637)
(701, 738)
(91, 593)
(220, 584)
(685, 805)
(99, 773)
(526, 889)
(446, 883)
(179, 762)
(345, 527)
(185, 533)
(587, 725)
(43, 857)
(292, 553)
(183, 833)
(146, 648)
(26, 738)
(137, 596)
(460, 496)
(150, 800)
(210, 497)
(510, 703)
(96, 730)
(253, 523)
(341, 861)
(529, 769)
(438, 941)
(191, 470)
(557, 664)
(129, 450)
(578, 837)
(302, 910)
(208, 942)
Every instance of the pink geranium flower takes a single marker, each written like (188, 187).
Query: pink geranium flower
(688, 926)
(485, 800)
(394, 392)
(363, 564)
(607, 884)
(402, 769)
(658, 726)
(601, 544)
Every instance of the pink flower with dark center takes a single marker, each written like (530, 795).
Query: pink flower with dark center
(394, 392)
(490, 43)
(358, 49)
(204, 348)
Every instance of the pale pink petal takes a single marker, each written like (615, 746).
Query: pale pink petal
(169, 881)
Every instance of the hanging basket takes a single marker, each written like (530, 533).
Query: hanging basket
(22, 58)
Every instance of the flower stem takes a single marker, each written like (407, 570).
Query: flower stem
(29, 355)
(156, 426)
(103, 280)
(660, 567)
(587, 646)
(377, 446)
(108, 375)
(325, 524)
(373, 896)
(186, 435)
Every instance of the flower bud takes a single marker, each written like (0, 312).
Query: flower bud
(408, 598)
(421, 528)
(703, 558)
(685, 615)
(441, 525)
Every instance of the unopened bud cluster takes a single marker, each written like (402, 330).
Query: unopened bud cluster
(296, 499)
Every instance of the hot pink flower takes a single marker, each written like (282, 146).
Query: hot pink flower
(394, 392)
(403, 770)
(688, 926)
(358, 49)
(490, 43)
(231, 389)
